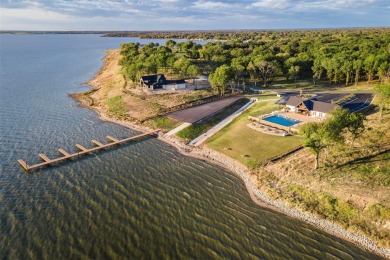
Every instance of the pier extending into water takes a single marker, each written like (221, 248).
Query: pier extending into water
(82, 150)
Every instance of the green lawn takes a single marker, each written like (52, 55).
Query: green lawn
(248, 146)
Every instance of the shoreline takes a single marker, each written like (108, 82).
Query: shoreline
(241, 171)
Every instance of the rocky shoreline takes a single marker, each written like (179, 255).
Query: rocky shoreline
(264, 200)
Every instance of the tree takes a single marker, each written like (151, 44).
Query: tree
(357, 66)
(181, 65)
(369, 67)
(331, 67)
(251, 68)
(293, 71)
(383, 95)
(355, 125)
(384, 72)
(193, 72)
(347, 68)
(170, 44)
(238, 69)
(220, 78)
(267, 71)
(314, 134)
(335, 124)
(319, 136)
(317, 69)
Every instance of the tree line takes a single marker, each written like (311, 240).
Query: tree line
(225, 35)
(336, 56)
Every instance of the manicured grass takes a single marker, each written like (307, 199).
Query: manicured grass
(248, 146)
(197, 129)
(116, 106)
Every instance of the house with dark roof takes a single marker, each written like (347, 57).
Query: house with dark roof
(311, 107)
(158, 81)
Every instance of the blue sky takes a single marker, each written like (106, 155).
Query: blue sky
(191, 14)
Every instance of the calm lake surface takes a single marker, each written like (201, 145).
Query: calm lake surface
(140, 200)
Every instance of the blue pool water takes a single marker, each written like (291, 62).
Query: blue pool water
(280, 120)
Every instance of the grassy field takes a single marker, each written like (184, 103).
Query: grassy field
(352, 185)
(248, 146)
(356, 195)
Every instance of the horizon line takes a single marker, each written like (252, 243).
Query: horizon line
(208, 30)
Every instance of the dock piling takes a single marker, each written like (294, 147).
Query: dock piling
(81, 148)
(97, 143)
(23, 164)
(111, 139)
(63, 152)
(44, 157)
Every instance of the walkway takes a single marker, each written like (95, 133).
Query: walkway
(177, 129)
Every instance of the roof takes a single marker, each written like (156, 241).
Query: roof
(308, 104)
(152, 79)
(323, 107)
(294, 101)
(311, 104)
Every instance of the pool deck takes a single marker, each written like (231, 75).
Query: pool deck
(268, 127)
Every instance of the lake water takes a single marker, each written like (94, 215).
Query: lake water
(140, 200)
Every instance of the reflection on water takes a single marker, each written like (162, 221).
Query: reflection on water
(140, 200)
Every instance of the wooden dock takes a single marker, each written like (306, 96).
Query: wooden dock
(82, 150)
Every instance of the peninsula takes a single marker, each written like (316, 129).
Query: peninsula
(347, 194)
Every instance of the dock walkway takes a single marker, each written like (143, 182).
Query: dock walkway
(82, 150)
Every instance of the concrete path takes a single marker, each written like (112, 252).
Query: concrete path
(203, 137)
(177, 129)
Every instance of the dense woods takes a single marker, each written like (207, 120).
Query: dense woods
(334, 56)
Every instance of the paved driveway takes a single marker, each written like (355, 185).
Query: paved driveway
(194, 114)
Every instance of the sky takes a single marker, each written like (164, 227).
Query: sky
(131, 15)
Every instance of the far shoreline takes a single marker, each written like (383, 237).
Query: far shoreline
(233, 166)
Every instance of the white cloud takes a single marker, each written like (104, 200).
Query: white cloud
(208, 5)
(192, 14)
(332, 4)
(272, 4)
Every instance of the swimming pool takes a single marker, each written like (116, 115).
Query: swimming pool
(280, 120)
